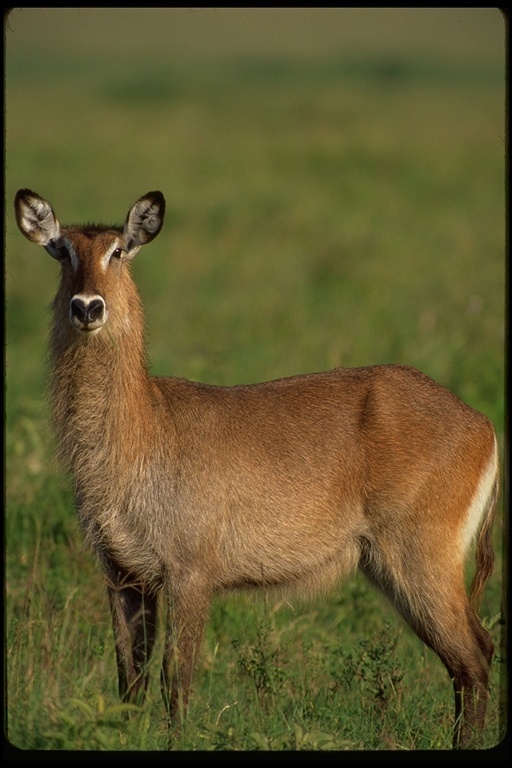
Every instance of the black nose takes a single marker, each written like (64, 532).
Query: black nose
(87, 312)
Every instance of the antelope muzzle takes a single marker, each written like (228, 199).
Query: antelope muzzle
(87, 313)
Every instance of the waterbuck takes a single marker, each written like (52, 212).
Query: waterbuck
(185, 490)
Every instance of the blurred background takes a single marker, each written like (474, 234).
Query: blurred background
(334, 180)
(335, 192)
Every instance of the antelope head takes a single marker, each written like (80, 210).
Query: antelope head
(92, 257)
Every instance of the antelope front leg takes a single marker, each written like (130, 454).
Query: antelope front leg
(134, 613)
(187, 614)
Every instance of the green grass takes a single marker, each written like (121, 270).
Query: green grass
(341, 208)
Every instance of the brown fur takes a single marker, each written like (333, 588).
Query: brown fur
(187, 490)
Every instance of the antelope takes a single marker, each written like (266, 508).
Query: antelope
(186, 490)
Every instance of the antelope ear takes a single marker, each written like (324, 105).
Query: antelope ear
(36, 219)
(144, 221)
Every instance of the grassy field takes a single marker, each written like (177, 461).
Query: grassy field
(335, 192)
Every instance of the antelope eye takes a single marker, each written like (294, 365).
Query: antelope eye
(117, 253)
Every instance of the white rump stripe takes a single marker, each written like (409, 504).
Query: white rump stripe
(480, 501)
